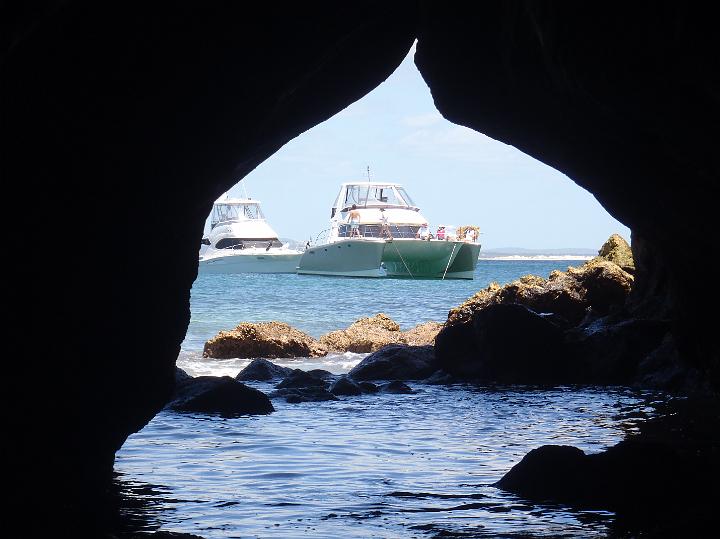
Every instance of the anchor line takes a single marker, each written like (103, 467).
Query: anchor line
(449, 259)
(403, 261)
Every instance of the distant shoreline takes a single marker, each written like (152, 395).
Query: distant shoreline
(536, 257)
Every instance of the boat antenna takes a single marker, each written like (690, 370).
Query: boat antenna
(368, 187)
(244, 191)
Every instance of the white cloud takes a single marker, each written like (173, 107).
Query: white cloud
(458, 143)
(423, 120)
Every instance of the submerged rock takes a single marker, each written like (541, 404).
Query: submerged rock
(396, 362)
(295, 395)
(219, 395)
(299, 379)
(346, 386)
(263, 340)
(262, 370)
(396, 386)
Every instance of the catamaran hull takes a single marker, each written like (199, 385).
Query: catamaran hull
(346, 258)
(258, 262)
(463, 267)
(434, 259)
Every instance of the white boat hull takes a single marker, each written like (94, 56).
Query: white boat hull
(345, 258)
(250, 261)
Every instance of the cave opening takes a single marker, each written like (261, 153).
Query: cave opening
(107, 111)
(531, 206)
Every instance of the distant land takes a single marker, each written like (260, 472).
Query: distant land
(520, 253)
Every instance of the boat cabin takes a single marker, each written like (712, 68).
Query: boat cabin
(231, 210)
(380, 204)
(239, 223)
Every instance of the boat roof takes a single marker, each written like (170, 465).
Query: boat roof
(229, 200)
(365, 182)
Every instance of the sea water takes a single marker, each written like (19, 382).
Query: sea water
(411, 465)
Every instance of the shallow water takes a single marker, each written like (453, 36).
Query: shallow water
(418, 465)
(373, 466)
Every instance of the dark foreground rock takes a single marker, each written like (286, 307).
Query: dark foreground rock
(396, 362)
(346, 386)
(504, 344)
(261, 370)
(297, 378)
(219, 395)
(656, 480)
(295, 395)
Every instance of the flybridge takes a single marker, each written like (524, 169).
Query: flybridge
(233, 210)
(372, 195)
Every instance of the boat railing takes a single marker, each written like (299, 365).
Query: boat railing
(375, 231)
(322, 237)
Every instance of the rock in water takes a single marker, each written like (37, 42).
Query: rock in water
(263, 340)
(219, 395)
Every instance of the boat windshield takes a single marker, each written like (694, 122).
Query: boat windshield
(376, 195)
(229, 212)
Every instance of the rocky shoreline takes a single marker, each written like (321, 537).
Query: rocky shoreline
(575, 327)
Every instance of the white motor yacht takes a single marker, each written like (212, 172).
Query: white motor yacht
(388, 213)
(241, 241)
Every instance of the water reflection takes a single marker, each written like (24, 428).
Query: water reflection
(381, 465)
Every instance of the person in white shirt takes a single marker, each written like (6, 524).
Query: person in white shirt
(423, 232)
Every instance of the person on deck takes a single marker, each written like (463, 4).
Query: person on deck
(384, 226)
(423, 232)
(354, 219)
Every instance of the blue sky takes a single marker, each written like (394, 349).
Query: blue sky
(454, 174)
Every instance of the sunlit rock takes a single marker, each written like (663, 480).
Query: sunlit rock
(598, 285)
(618, 251)
(262, 340)
(422, 334)
(364, 335)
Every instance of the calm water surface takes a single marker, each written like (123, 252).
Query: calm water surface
(419, 465)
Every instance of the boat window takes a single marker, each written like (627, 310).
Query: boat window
(235, 212)
(406, 198)
(376, 195)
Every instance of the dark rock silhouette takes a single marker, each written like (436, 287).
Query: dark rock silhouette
(299, 378)
(346, 386)
(262, 370)
(219, 395)
(396, 361)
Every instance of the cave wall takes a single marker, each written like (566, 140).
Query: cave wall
(621, 97)
(122, 124)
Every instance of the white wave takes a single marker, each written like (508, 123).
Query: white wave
(195, 365)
